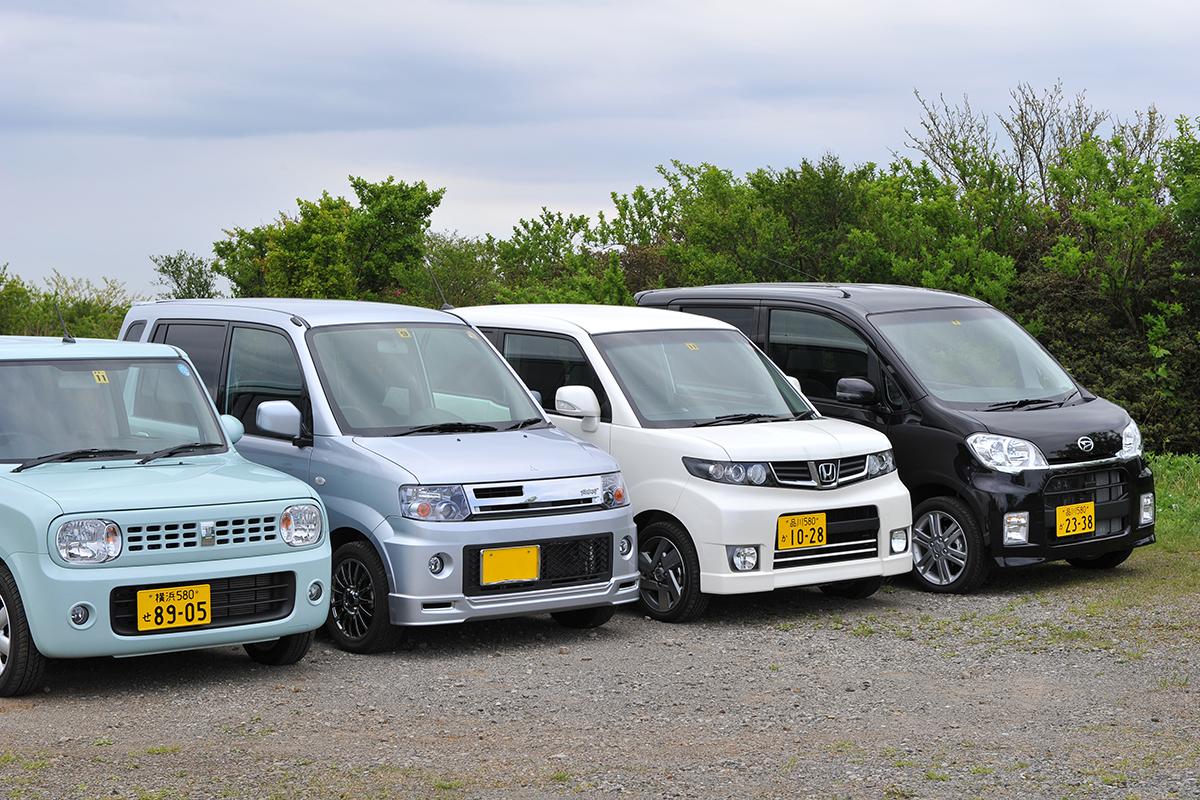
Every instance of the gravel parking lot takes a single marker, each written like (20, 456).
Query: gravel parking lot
(1054, 682)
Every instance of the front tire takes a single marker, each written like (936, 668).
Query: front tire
(359, 620)
(281, 652)
(949, 554)
(583, 618)
(670, 568)
(21, 665)
(1106, 561)
(859, 589)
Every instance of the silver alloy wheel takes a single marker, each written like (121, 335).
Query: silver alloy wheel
(5, 636)
(939, 548)
(353, 598)
(663, 575)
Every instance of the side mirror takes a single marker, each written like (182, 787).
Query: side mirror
(795, 382)
(579, 402)
(537, 396)
(234, 428)
(278, 417)
(858, 391)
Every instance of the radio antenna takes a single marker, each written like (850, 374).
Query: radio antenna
(433, 277)
(67, 337)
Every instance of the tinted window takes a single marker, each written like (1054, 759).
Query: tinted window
(547, 363)
(740, 317)
(816, 350)
(134, 333)
(204, 345)
(262, 367)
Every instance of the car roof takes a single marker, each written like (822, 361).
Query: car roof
(591, 319)
(315, 312)
(48, 348)
(867, 298)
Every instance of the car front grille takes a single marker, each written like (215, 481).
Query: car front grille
(852, 534)
(807, 473)
(1107, 488)
(240, 600)
(564, 562)
(151, 537)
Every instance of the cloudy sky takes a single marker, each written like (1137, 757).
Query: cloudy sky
(131, 128)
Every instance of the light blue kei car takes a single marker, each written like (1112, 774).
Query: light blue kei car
(130, 525)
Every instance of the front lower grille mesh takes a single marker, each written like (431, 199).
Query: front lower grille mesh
(564, 562)
(241, 600)
(851, 534)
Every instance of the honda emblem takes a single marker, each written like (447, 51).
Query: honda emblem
(827, 472)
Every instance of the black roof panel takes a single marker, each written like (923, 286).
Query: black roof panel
(867, 298)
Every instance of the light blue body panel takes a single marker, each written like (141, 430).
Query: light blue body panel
(177, 490)
(359, 478)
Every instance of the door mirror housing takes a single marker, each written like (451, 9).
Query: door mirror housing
(234, 428)
(858, 391)
(795, 382)
(278, 417)
(579, 402)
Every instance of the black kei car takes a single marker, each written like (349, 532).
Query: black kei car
(1009, 461)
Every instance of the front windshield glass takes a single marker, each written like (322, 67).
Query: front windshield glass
(142, 406)
(392, 379)
(676, 379)
(974, 356)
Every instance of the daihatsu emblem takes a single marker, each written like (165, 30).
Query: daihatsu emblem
(1085, 444)
(827, 471)
(208, 534)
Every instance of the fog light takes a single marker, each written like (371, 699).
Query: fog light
(899, 540)
(744, 559)
(436, 565)
(1016, 527)
(1147, 515)
(315, 590)
(625, 546)
(80, 614)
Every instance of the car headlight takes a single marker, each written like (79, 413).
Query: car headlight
(301, 524)
(745, 473)
(1131, 441)
(89, 541)
(434, 503)
(612, 492)
(1006, 454)
(881, 463)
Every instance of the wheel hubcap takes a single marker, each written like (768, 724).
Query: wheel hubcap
(939, 548)
(663, 575)
(352, 601)
(5, 636)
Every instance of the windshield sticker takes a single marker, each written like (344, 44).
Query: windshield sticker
(955, 322)
(100, 376)
(183, 370)
(403, 333)
(471, 334)
(693, 346)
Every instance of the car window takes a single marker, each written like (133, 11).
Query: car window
(816, 350)
(262, 367)
(204, 344)
(134, 332)
(740, 317)
(547, 363)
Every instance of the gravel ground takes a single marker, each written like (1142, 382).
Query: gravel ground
(1053, 682)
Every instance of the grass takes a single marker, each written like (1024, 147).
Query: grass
(561, 776)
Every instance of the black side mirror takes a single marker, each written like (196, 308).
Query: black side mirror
(858, 391)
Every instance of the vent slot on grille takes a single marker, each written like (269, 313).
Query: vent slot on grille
(564, 562)
(493, 492)
(802, 473)
(241, 600)
(176, 535)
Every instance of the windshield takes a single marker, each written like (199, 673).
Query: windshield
(974, 356)
(386, 380)
(142, 406)
(675, 379)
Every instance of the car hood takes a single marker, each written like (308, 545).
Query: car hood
(803, 440)
(1057, 431)
(491, 457)
(81, 487)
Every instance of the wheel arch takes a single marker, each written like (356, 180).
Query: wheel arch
(650, 516)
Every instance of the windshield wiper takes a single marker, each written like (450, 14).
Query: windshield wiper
(174, 450)
(1012, 405)
(735, 419)
(449, 427)
(74, 455)
(524, 423)
(1062, 402)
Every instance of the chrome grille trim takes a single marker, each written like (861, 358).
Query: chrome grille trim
(535, 498)
(851, 469)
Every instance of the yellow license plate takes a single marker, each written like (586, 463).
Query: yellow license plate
(174, 607)
(1075, 519)
(794, 531)
(510, 565)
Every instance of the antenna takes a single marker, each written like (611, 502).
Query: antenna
(445, 303)
(67, 337)
(812, 278)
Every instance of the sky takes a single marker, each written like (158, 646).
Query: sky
(134, 128)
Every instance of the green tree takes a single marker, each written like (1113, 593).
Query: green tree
(183, 275)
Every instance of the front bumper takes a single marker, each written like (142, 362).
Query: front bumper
(1116, 489)
(49, 591)
(420, 598)
(719, 515)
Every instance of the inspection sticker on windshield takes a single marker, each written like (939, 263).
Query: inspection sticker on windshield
(183, 370)
(403, 333)
(100, 376)
(693, 346)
